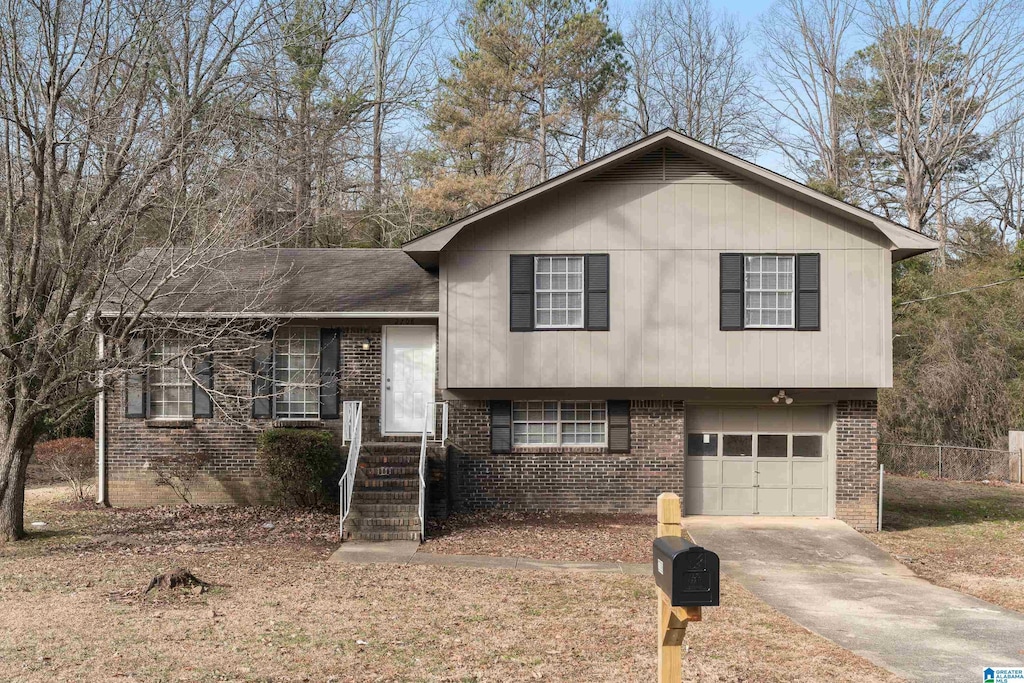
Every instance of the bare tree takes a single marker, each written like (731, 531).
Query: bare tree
(397, 40)
(643, 51)
(922, 92)
(1000, 181)
(107, 108)
(804, 44)
(701, 84)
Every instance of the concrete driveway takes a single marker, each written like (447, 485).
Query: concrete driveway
(836, 583)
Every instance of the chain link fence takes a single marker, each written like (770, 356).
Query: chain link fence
(950, 462)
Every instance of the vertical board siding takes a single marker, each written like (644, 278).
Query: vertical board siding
(664, 242)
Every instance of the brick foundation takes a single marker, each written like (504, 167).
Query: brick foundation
(857, 464)
(569, 479)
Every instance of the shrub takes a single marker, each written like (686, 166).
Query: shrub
(299, 464)
(73, 460)
(179, 471)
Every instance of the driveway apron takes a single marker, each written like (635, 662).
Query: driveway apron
(836, 583)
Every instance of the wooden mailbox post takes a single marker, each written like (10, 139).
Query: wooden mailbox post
(672, 621)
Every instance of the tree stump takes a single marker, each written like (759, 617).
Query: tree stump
(177, 578)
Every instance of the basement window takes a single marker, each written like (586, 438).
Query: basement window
(559, 423)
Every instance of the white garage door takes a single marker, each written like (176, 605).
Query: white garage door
(757, 460)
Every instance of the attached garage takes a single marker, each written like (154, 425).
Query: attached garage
(763, 460)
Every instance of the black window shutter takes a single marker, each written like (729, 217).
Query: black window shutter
(730, 291)
(329, 356)
(521, 293)
(595, 269)
(135, 394)
(808, 291)
(501, 426)
(263, 379)
(618, 426)
(202, 402)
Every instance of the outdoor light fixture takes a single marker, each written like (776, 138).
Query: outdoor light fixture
(366, 344)
(781, 397)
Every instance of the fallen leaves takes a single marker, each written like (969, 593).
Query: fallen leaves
(545, 536)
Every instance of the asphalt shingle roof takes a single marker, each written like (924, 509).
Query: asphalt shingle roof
(270, 281)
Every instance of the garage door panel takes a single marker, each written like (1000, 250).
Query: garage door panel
(772, 419)
(703, 501)
(773, 501)
(773, 473)
(739, 419)
(706, 471)
(809, 474)
(809, 502)
(704, 419)
(810, 419)
(738, 472)
(737, 501)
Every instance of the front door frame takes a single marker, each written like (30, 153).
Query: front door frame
(384, 377)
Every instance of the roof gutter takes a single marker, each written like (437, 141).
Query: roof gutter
(284, 314)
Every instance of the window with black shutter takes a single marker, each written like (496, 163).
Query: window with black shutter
(202, 399)
(769, 291)
(330, 339)
(501, 426)
(135, 399)
(558, 292)
(263, 379)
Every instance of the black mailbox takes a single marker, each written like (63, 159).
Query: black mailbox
(687, 573)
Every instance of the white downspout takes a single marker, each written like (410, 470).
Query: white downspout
(101, 426)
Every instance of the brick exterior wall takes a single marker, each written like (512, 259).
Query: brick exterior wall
(568, 479)
(540, 479)
(231, 437)
(857, 464)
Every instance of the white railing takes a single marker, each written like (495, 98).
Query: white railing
(430, 434)
(351, 433)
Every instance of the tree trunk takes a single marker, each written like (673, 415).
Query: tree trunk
(542, 135)
(378, 153)
(303, 185)
(12, 493)
(581, 157)
(942, 231)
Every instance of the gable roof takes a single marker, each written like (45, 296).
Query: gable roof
(905, 242)
(279, 283)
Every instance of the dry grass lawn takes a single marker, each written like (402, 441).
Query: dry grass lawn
(572, 538)
(962, 535)
(71, 610)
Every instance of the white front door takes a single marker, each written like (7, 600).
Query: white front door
(409, 354)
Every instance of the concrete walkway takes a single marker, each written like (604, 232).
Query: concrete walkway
(406, 552)
(836, 583)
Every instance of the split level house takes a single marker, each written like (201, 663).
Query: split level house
(668, 317)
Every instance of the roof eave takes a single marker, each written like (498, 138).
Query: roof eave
(903, 239)
(262, 315)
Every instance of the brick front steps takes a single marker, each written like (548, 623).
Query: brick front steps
(385, 496)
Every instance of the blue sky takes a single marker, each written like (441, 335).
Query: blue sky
(746, 12)
(745, 9)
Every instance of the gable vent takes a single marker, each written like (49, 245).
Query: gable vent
(665, 165)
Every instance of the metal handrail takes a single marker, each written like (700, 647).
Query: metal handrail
(352, 432)
(429, 435)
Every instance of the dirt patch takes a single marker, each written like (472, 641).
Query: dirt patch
(573, 538)
(70, 610)
(962, 535)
